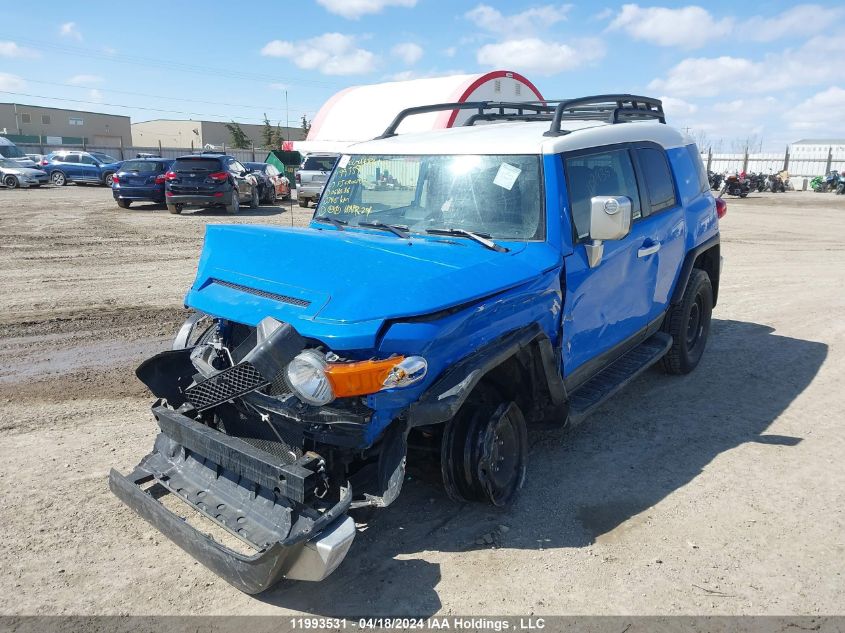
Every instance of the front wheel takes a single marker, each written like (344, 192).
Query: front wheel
(124, 204)
(58, 179)
(303, 202)
(234, 206)
(689, 325)
(255, 200)
(175, 209)
(11, 182)
(271, 195)
(484, 450)
(108, 180)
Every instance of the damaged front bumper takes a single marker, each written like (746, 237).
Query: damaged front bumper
(247, 492)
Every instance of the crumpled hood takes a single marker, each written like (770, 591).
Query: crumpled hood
(342, 285)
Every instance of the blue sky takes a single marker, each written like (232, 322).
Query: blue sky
(769, 72)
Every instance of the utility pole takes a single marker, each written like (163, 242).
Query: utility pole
(287, 117)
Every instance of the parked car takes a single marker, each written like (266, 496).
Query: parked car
(14, 175)
(312, 175)
(274, 183)
(210, 180)
(520, 272)
(13, 152)
(139, 180)
(80, 167)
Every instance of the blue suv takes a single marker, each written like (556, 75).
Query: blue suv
(81, 167)
(453, 288)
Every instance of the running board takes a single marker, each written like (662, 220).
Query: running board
(598, 389)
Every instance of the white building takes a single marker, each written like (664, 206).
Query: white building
(361, 113)
(809, 156)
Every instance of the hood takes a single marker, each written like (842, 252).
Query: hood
(23, 171)
(25, 163)
(342, 285)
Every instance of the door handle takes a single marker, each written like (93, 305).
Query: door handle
(651, 249)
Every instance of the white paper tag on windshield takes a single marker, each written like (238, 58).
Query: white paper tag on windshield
(344, 161)
(506, 176)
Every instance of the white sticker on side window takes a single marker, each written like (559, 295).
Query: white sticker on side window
(344, 161)
(506, 176)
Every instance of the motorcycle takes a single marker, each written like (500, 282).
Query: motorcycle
(736, 186)
(715, 180)
(775, 183)
(757, 182)
(828, 182)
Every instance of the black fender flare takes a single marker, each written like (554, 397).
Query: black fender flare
(442, 400)
(711, 244)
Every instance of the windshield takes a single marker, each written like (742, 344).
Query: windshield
(319, 163)
(142, 166)
(5, 162)
(495, 195)
(104, 158)
(197, 164)
(11, 151)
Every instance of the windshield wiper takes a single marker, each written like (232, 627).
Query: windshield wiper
(338, 224)
(481, 238)
(396, 229)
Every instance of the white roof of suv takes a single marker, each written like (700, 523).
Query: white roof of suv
(521, 137)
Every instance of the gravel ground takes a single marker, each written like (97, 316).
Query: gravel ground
(721, 492)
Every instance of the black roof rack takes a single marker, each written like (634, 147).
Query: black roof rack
(612, 108)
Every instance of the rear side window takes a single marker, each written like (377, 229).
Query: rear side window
(70, 158)
(197, 164)
(143, 167)
(658, 178)
(319, 163)
(604, 174)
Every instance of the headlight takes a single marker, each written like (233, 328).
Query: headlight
(306, 376)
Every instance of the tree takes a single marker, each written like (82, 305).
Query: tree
(268, 133)
(306, 125)
(278, 136)
(239, 138)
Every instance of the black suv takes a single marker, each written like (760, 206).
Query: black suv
(209, 179)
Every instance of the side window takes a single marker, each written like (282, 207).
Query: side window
(235, 167)
(69, 158)
(87, 160)
(608, 173)
(658, 178)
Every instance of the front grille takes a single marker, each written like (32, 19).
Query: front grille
(302, 303)
(229, 383)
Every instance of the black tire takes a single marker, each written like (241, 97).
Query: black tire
(303, 202)
(10, 181)
(58, 178)
(175, 209)
(484, 450)
(689, 325)
(125, 204)
(255, 198)
(108, 179)
(271, 194)
(235, 205)
(840, 189)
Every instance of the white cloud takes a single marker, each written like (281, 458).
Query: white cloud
(408, 52)
(523, 24)
(11, 82)
(820, 112)
(85, 80)
(330, 54)
(95, 95)
(450, 52)
(406, 75)
(676, 108)
(603, 14)
(68, 29)
(354, 9)
(807, 65)
(11, 49)
(802, 20)
(541, 57)
(687, 27)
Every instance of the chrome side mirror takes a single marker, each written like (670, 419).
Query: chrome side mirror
(610, 219)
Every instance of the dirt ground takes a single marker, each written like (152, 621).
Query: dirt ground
(722, 492)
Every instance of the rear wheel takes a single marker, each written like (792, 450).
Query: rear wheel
(175, 209)
(234, 206)
(124, 204)
(303, 202)
(271, 194)
(689, 325)
(484, 450)
(58, 179)
(255, 199)
(10, 181)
